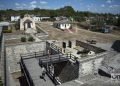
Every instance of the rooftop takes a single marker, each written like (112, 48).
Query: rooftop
(35, 72)
(63, 22)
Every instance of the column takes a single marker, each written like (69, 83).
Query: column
(31, 25)
(26, 25)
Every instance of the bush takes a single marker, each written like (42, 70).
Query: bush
(23, 39)
(31, 39)
(7, 31)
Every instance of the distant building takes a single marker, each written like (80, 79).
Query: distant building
(35, 18)
(63, 24)
(106, 30)
(15, 18)
(5, 25)
(61, 18)
(44, 18)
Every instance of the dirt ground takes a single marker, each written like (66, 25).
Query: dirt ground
(81, 34)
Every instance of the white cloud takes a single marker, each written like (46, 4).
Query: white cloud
(88, 6)
(24, 5)
(33, 6)
(33, 2)
(21, 5)
(109, 1)
(102, 5)
(17, 4)
(114, 6)
(43, 2)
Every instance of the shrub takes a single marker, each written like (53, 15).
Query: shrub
(23, 39)
(31, 39)
(7, 31)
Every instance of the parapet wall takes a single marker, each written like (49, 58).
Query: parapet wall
(13, 53)
(89, 47)
(92, 64)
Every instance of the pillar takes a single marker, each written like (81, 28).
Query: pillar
(26, 26)
(31, 25)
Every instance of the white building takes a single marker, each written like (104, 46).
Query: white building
(5, 25)
(63, 24)
(36, 19)
(15, 18)
(28, 24)
(61, 18)
(44, 18)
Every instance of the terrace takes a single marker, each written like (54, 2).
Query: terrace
(65, 67)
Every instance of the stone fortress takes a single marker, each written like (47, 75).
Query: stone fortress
(94, 62)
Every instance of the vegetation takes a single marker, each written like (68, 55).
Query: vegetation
(31, 39)
(67, 11)
(7, 31)
(23, 39)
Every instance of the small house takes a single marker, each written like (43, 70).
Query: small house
(15, 18)
(5, 25)
(107, 29)
(36, 18)
(61, 18)
(63, 24)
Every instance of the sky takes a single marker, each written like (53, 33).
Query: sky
(99, 6)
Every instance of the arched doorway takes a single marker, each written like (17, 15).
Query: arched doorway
(27, 24)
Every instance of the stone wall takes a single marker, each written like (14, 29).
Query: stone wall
(91, 65)
(89, 47)
(13, 53)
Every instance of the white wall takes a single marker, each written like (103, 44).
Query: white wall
(23, 20)
(37, 18)
(65, 26)
(15, 18)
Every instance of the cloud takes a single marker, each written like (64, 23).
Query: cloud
(109, 1)
(33, 6)
(33, 2)
(43, 2)
(17, 4)
(24, 5)
(114, 6)
(102, 5)
(21, 5)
